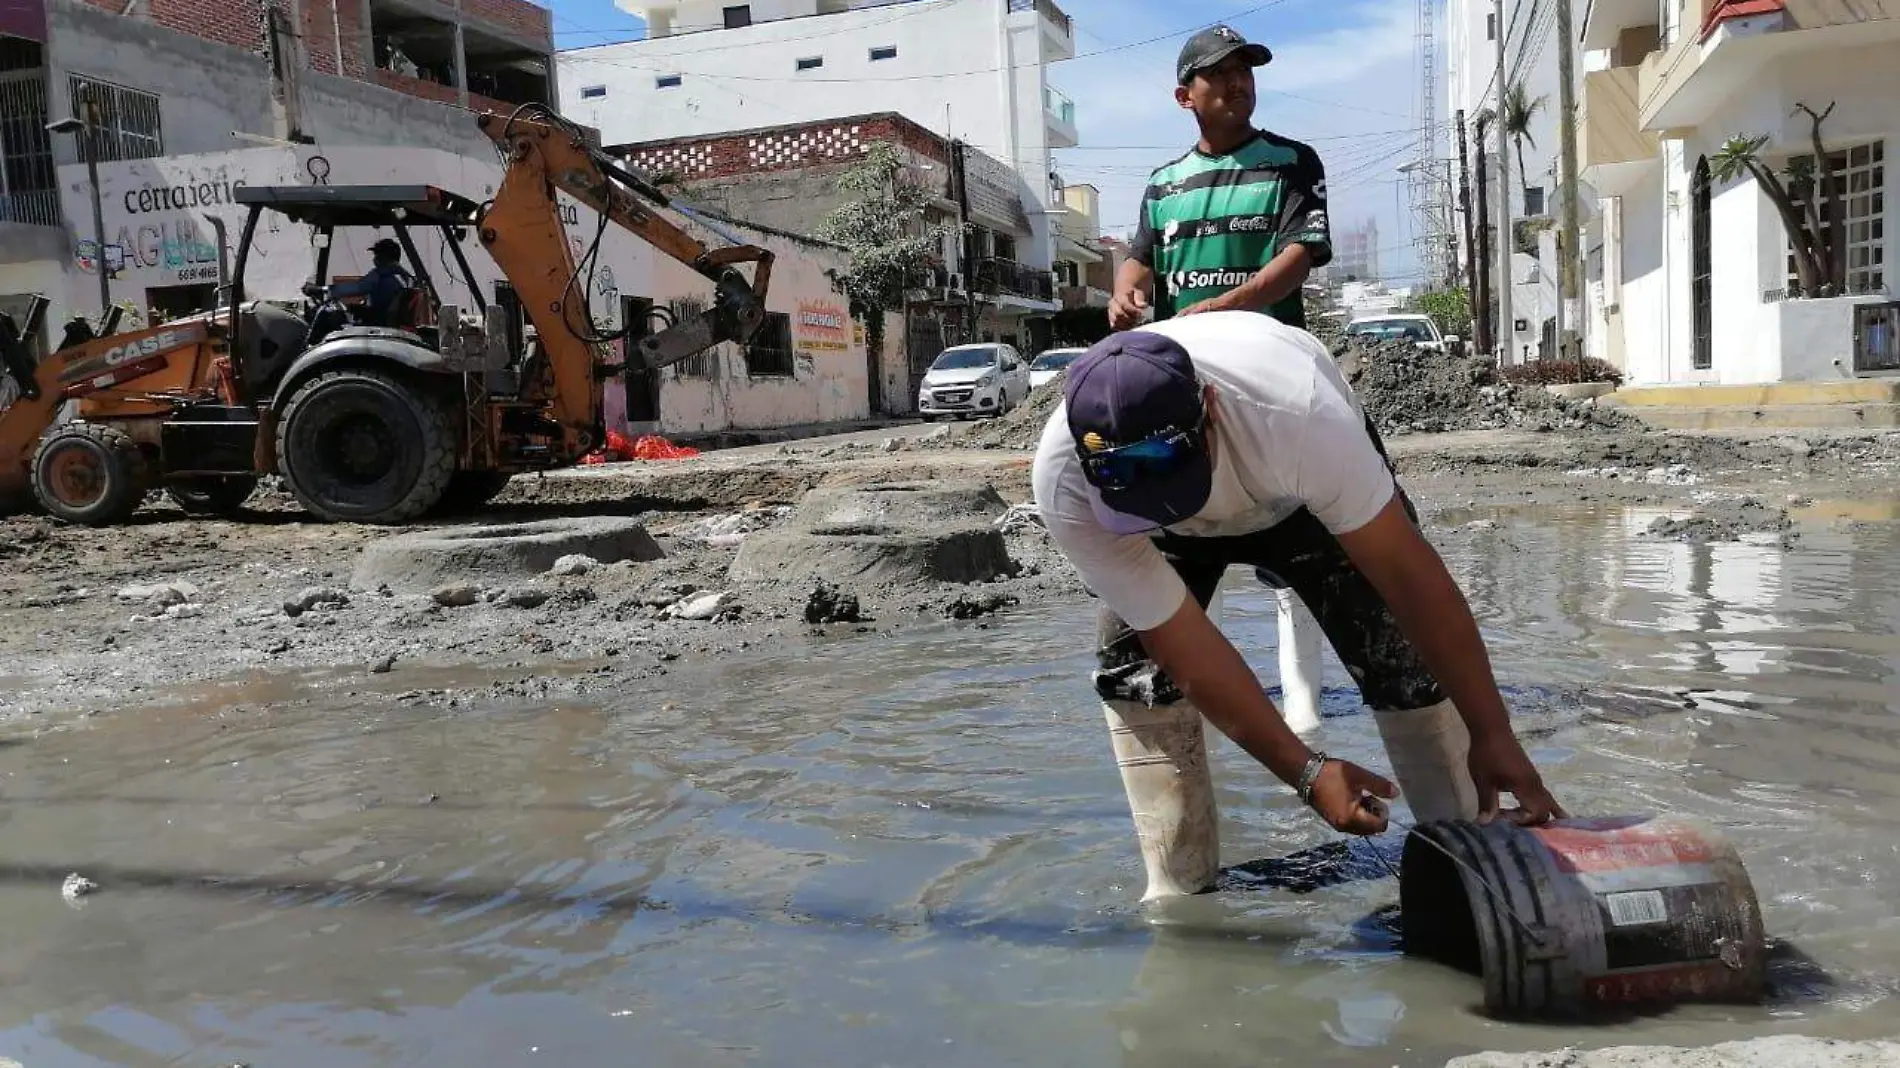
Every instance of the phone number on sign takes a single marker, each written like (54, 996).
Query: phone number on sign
(198, 274)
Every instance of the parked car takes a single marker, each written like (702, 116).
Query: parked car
(1050, 364)
(1418, 329)
(967, 380)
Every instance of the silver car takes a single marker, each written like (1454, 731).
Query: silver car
(966, 380)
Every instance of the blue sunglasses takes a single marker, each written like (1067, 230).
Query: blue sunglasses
(1155, 456)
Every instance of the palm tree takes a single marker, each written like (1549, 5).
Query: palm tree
(1518, 109)
(1813, 267)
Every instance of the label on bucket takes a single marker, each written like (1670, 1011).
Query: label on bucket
(1636, 907)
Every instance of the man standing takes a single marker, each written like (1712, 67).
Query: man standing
(1238, 222)
(1185, 447)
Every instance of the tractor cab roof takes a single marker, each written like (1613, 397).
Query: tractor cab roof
(338, 206)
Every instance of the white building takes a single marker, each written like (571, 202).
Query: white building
(972, 70)
(1694, 281)
(1471, 82)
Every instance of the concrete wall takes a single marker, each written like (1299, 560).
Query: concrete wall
(964, 70)
(831, 370)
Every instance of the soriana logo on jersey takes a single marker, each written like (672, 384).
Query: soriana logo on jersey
(823, 325)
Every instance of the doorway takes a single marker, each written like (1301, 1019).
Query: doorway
(642, 384)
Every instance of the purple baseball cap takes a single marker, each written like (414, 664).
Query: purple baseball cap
(1127, 387)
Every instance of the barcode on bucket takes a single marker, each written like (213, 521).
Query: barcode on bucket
(1637, 906)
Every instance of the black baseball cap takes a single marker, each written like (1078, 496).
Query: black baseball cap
(1214, 44)
(387, 245)
(1128, 387)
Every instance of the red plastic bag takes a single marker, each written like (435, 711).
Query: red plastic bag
(654, 447)
(648, 447)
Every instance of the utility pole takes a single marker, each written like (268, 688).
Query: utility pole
(1569, 242)
(1507, 332)
(1482, 339)
(1487, 327)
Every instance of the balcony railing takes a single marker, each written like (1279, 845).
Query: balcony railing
(1059, 107)
(1048, 9)
(34, 207)
(996, 276)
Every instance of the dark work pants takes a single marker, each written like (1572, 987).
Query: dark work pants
(1298, 552)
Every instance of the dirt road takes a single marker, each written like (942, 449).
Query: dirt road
(95, 620)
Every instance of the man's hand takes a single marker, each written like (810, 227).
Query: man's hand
(1349, 798)
(1124, 311)
(1228, 301)
(1499, 764)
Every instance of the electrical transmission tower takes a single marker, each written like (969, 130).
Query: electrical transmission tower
(1429, 177)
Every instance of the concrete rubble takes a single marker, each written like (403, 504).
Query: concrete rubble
(1780, 1051)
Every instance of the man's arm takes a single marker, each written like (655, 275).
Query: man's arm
(1211, 672)
(1436, 619)
(1135, 278)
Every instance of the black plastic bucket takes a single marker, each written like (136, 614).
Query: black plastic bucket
(1583, 916)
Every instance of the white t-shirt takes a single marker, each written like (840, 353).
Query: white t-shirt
(1288, 433)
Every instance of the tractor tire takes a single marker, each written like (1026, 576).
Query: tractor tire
(212, 495)
(365, 447)
(468, 491)
(90, 474)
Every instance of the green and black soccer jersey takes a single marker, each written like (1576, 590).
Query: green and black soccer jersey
(1209, 223)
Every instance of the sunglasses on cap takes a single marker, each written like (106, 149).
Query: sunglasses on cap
(1155, 456)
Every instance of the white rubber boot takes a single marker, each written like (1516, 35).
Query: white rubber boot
(1163, 760)
(1428, 748)
(1299, 663)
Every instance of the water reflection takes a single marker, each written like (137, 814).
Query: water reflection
(916, 851)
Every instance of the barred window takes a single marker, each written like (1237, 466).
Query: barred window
(699, 364)
(1861, 171)
(770, 352)
(128, 119)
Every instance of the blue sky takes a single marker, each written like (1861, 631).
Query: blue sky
(1344, 78)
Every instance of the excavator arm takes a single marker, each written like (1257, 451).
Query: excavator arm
(522, 231)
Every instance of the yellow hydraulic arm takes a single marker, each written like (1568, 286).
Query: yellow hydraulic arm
(521, 228)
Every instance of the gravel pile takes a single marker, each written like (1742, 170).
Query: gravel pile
(1409, 390)
(1021, 428)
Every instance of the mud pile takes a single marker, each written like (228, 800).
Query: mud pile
(1022, 427)
(1728, 521)
(1409, 390)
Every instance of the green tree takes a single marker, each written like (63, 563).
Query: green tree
(1811, 238)
(1449, 308)
(883, 225)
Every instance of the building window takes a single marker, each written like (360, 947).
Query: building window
(1861, 257)
(667, 81)
(1006, 247)
(811, 63)
(1490, 25)
(886, 52)
(593, 92)
(28, 190)
(700, 364)
(770, 352)
(128, 120)
(1533, 200)
(740, 15)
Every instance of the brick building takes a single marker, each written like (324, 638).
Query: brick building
(786, 177)
(176, 80)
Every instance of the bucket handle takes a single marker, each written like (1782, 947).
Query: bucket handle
(1535, 933)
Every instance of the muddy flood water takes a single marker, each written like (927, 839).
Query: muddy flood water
(914, 851)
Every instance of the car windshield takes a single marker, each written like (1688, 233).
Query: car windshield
(964, 359)
(1055, 360)
(1392, 329)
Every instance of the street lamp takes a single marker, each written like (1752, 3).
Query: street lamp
(88, 127)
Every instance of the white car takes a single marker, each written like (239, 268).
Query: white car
(1050, 364)
(1418, 329)
(983, 379)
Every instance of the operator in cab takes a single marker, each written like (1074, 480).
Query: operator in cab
(384, 285)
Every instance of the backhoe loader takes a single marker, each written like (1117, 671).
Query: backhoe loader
(378, 423)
